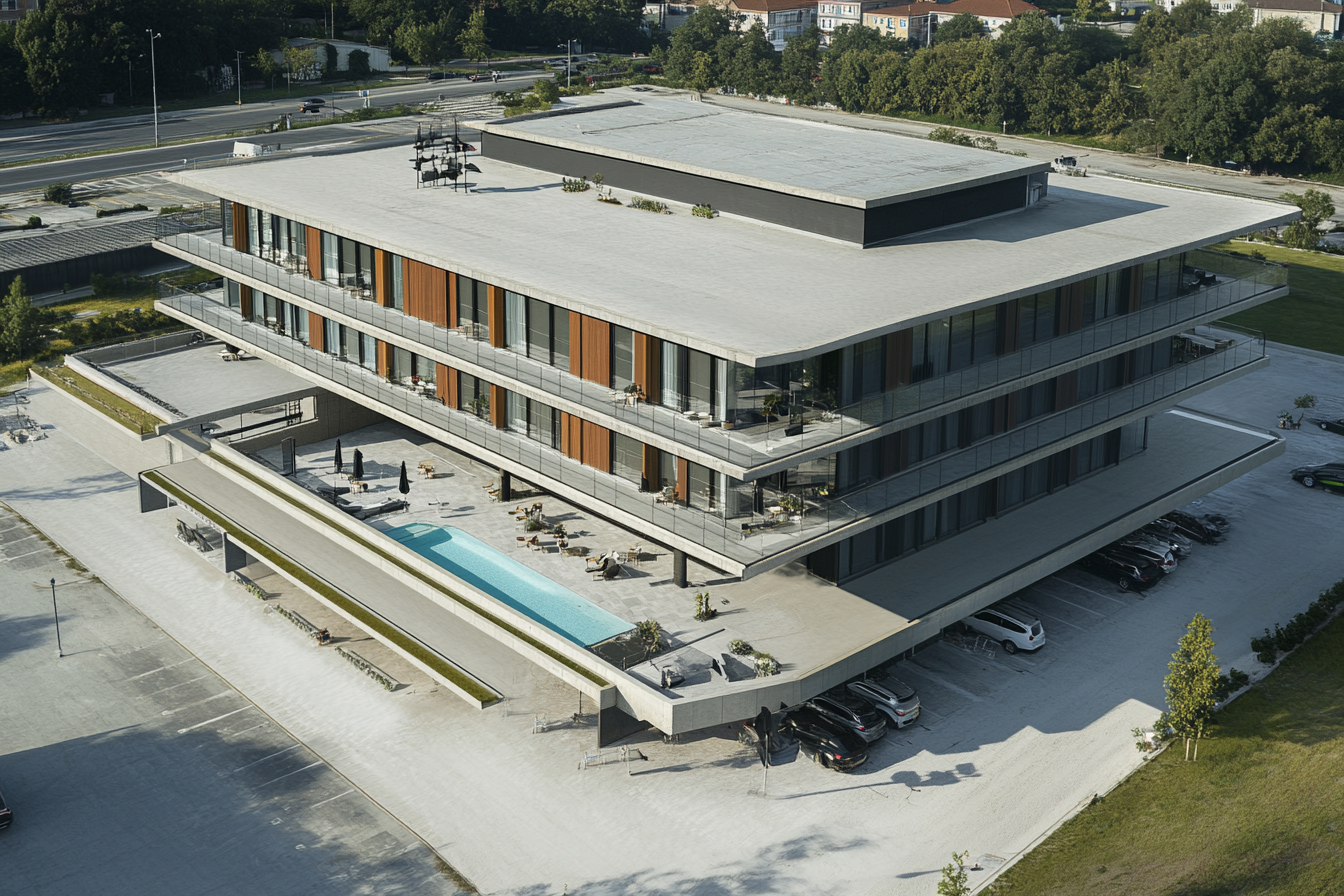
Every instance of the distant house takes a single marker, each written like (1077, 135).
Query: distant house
(832, 14)
(781, 19)
(379, 57)
(13, 10)
(1314, 15)
(918, 22)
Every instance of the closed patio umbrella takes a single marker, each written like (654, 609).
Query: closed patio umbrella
(404, 486)
(359, 464)
(339, 462)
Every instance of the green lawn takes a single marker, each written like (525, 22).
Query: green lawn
(1312, 314)
(1261, 812)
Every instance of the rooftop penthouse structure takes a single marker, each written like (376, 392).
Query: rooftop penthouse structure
(876, 355)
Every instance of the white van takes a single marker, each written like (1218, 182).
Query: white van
(1011, 624)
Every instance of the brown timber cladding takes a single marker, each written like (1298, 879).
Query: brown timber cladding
(313, 242)
(245, 301)
(445, 384)
(495, 314)
(382, 277)
(317, 332)
(425, 289)
(596, 350)
(239, 227)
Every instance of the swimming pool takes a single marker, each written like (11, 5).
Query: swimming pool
(501, 577)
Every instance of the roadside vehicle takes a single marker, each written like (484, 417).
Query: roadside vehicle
(1130, 573)
(442, 76)
(1165, 532)
(897, 700)
(1012, 625)
(6, 813)
(830, 743)
(1064, 163)
(1194, 528)
(1335, 426)
(1328, 476)
(1155, 553)
(855, 714)
(314, 104)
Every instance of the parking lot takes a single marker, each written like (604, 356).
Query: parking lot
(1007, 745)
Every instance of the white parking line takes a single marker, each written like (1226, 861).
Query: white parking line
(264, 758)
(1079, 606)
(1090, 591)
(942, 681)
(178, 685)
(336, 797)
(29, 554)
(295, 772)
(210, 721)
(160, 669)
(169, 712)
(1061, 621)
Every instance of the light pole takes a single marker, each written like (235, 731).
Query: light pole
(154, 80)
(239, 55)
(569, 63)
(59, 652)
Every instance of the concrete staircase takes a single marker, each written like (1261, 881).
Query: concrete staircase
(480, 106)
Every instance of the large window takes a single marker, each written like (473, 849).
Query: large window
(700, 382)
(331, 258)
(398, 284)
(622, 357)
(627, 458)
(473, 307)
(515, 322)
(226, 217)
(543, 424)
(1037, 318)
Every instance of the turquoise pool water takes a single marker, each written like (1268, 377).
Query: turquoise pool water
(499, 576)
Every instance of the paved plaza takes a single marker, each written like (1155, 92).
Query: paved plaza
(1006, 746)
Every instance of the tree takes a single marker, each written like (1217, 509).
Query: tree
(1191, 684)
(266, 66)
(700, 33)
(20, 330)
(475, 45)
(546, 90)
(357, 65)
(1316, 208)
(300, 64)
(953, 882)
(333, 57)
(17, 97)
(1090, 10)
(962, 26)
(61, 63)
(429, 43)
(800, 66)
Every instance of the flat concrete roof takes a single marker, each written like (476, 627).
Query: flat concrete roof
(739, 289)
(198, 383)
(830, 163)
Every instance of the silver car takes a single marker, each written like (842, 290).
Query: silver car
(1012, 625)
(897, 700)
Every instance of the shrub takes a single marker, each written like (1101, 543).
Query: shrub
(357, 64)
(702, 211)
(766, 665)
(34, 222)
(650, 205)
(738, 647)
(1286, 638)
(574, 185)
(171, 209)
(546, 90)
(950, 135)
(703, 611)
(650, 634)
(60, 192)
(1229, 684)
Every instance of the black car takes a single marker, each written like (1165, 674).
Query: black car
(855, 714)
(442, 76)
(1329, 476)
(832, 744)
(1165, 531)
(1335, 426)
(1130, 572)
(1203, 531)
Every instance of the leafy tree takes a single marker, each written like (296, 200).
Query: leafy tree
(357, 65)
(1316, 209)
(300, 64)
(332, 58)
(58, 51)
(800, 66)
(700, 33)
(266, 66)
(962, 26)
(475, 45)
(16, 97)
(20, 326)
(753, 66)
(1191, 684)
(954, 879)
(546, 90)
(429, 43)
(860, 37)
(1091, 10)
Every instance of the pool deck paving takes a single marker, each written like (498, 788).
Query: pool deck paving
(1005, 747)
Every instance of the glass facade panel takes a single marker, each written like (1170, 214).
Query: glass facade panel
(398, 284)
(541, 424)
(560, 338)
(516, 416)
(700, 382)
(515, 323)
(673, 393)
(539, 330)
(622, 357)
(331, 260)
(368, 352)
(627, 458)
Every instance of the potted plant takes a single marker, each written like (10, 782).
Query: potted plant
(703, 611)
(738, 647)
(766, 665)
(650, 634)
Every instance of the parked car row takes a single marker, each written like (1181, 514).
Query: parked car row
(1141, 559)
(837, 727)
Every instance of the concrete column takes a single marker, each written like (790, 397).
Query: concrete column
(679, 568)
(151, 498)
(505, 487)
(234, 556)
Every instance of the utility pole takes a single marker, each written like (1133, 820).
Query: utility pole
(154, 79)
(55, 613)
(239, 55)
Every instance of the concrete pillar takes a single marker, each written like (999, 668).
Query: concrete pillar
(151, 498)
(234, 556)
(679, 568)
(505, 487)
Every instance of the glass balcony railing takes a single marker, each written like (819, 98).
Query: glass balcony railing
(742, 539)
(1238, 279)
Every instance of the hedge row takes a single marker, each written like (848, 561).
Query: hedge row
(1285, 638)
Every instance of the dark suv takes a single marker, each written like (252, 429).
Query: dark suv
(832, 744)
(1131, 573)
(1204, 531)
(857, 715)
(1329, 476)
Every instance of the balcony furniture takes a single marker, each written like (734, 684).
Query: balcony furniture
(577, 551)
(226, 355)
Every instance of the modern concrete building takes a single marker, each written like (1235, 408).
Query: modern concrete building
(890, 382)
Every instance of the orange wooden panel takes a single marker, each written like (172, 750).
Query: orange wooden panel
(383, 354)
(648, 373)
(497, 407)
(240, 227)
(683, 480)
(245, 301)
(313, 242)
(571, 436)
(452, 300)
(597, 446)
(596, 350)
(382, 277)
(317, 331)
(649, 469)
(576, 343)
(495, 304)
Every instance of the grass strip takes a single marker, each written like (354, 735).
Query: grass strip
(1312, 314)
(490, 617)
(133, 417)
(363, 614)
(1258, 812)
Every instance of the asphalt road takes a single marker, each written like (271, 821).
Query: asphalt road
(53, 140)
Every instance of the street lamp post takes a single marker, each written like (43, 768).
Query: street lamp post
(569, 63)
(55, 613)
(239, 55)
(154, 80)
